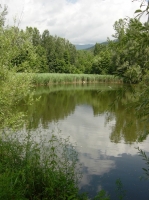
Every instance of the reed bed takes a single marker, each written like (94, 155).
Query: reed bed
(75, 87)
(55, 78)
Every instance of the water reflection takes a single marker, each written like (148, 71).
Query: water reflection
(128, 168)
(58, 105)
(106, 138)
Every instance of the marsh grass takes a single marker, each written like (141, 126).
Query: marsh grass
(38, 170)
(55, 78)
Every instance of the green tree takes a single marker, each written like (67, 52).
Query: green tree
(84, 61)
(102, 63)
(99, 48)
(13, 88)
(35, 36)
(130, 51)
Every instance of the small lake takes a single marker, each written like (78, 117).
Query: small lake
(105, 133)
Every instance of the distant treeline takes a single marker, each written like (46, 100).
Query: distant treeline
(31, 51)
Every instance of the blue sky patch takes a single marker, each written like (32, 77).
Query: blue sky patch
(72, 1)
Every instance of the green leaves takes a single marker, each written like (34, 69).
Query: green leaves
(130, 54)
(102, 195)
(138, 11)
(121, 193)
(146, 159)
(34, 170)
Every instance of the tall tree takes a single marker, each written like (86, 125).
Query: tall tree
(13, 88)
(35, 35)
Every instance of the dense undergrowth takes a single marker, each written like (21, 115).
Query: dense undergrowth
(38, 170)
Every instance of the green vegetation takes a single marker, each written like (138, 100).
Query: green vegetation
(31, 51)
(121, 193)
(128, 57)
(47, 78)
(13, 88)
(146, 159)
(32, 170)
(30, 167)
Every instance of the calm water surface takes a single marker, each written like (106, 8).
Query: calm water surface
(105, 133)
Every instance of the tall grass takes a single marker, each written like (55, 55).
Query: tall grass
(38, 170)
(55, 78)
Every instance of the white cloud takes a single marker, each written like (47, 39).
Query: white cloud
(80, 21)
(92, 138)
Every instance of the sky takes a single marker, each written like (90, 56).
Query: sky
(79, 21)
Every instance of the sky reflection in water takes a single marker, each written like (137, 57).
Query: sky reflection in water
(103, 160)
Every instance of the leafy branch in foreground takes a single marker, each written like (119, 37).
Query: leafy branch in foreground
(141, 11)
(146, 159)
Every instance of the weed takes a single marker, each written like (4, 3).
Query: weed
(38, 170)
(121, 193)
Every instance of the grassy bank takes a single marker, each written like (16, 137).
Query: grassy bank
(55, 78)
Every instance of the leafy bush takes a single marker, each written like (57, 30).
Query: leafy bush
(38, 170)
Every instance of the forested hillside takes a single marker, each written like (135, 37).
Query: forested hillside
(126, 55)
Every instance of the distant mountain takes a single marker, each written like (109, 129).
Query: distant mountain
(89, 47)
(83, 46)
(92, 48)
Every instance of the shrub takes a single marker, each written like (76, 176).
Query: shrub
(38, 170)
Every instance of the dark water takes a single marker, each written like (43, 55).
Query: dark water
(105, 133)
